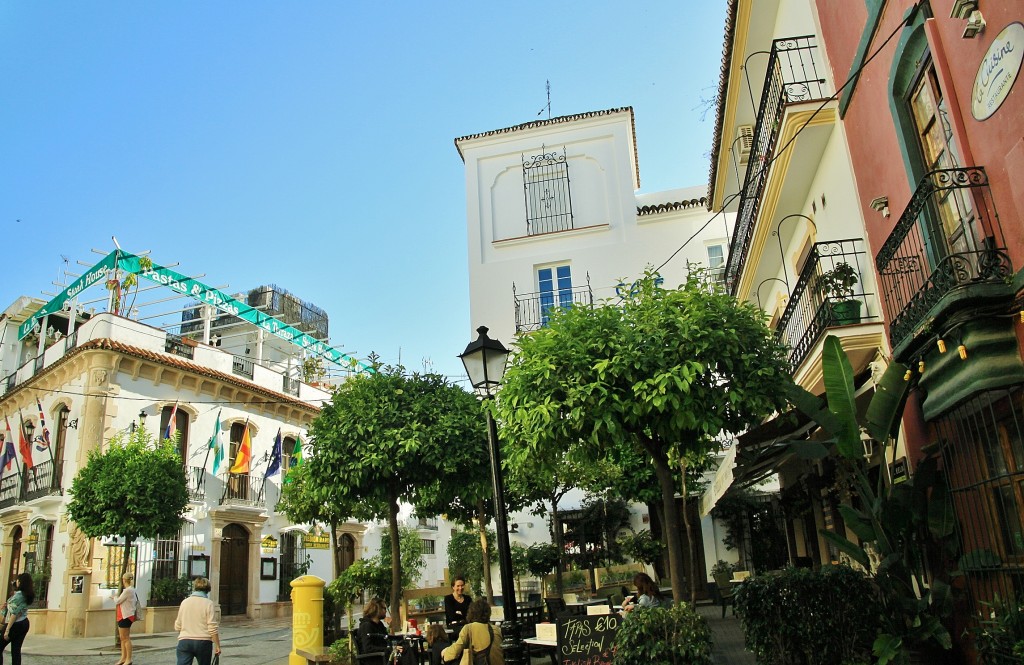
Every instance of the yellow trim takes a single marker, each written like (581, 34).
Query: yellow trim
(741, 28)
(792, 123)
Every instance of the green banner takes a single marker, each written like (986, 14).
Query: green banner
(202, 293)
(97, 273)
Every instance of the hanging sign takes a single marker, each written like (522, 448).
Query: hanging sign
(998, 71)
(316, 539)
(98, 273)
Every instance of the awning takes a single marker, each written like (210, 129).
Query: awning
(722, 481)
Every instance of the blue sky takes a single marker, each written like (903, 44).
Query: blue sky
(310, 144)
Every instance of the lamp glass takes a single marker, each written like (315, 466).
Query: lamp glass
(484, 360)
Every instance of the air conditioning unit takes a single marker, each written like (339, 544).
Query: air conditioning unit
(745, 137)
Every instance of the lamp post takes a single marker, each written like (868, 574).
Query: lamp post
(484, 360)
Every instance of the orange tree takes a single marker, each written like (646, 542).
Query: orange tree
(664, 372)
(387, 437)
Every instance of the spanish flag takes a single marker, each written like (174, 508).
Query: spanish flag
(244, 456)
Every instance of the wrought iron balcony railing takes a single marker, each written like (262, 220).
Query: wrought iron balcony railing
(10, 489)
(947, 238)
(813, 307)
(241, 366)
(43, 479)
(196, 477)
(532, 308)
(792, 77)
(243, 489)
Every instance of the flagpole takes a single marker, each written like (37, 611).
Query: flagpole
(46, 436)
(208, 446)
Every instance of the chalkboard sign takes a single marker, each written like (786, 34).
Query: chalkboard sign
(587, 640)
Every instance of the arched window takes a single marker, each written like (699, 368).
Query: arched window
(181, 421)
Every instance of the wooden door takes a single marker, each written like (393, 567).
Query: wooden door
(234, 570)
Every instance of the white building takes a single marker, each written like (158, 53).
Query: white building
(90, 375)
(554, 218)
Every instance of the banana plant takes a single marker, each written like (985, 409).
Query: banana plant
(900, 524)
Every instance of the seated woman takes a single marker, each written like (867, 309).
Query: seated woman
(456, 604)
(647, 594)
(479, 635)
(437, 641)
(372, 633)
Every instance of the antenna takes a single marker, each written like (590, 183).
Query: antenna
(547, 86)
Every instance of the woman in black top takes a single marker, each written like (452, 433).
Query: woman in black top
(456, 604)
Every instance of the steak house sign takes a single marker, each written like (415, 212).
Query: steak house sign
(998, 71)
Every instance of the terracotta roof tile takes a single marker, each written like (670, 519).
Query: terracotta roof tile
(555, 121)
(107, 344)
(668, 207)
(723, 84)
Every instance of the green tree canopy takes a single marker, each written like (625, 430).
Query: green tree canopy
(664, 371)
(387, 437)
(135, 488)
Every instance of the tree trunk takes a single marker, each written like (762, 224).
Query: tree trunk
(128, 540)
(559, 545)
(396, 565)
(485, 550)
(337, 553)
(689, 535)
(671, 525)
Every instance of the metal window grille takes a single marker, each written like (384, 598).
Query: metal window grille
(428, 545)
(983, 455)
(546, 188)
(113, 561)
(293, 563)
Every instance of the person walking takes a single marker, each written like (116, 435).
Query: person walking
(127, 605)
(198, 635)
(15, 614)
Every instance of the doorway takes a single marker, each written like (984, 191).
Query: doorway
(234, 570)
(15, 564)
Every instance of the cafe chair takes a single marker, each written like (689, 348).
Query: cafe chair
(556, 607)
(724, 590)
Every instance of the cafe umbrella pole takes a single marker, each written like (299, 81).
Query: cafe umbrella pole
(484, 360)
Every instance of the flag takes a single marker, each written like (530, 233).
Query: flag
(172, 422)
(296, 459)
(217, 446)
(9, 455)
(42, 441)
(275, 457)
(24, 446)
(244, 456)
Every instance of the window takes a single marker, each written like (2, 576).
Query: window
(546, 187)
(288, 459)
(111, 564)
(62, 436)
(929, 111)
(181, 419)
(428, 545)
(716, 262)
(555, 288)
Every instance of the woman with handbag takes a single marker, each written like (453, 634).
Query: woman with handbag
(479, 643)
(198, 633)
(127, 605)
(16, 617)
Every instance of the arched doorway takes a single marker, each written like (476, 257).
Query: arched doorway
(347, 545)
(15, 563)
(234, 570)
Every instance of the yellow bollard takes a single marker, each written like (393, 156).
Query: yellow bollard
(307, 616)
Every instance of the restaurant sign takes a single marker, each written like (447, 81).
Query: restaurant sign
(998, 71)
(316, 539)
(268, 544)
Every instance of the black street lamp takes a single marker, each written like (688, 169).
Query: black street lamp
(484, 360)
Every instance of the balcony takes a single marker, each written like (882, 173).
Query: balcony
(242, 489)
(792, 77)
(812, 309)
(946, 242)
(10, 489)
(241, 366)
(196, 478)
(43, 479)
(532, 308)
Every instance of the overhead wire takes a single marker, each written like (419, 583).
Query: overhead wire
(778, 152)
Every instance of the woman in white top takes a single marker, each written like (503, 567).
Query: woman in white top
(127, 604)
(198, 636)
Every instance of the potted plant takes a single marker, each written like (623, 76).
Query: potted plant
(836, 286)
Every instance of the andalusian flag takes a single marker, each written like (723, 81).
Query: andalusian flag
(296, 459)
(217, 446)
(244, 456)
